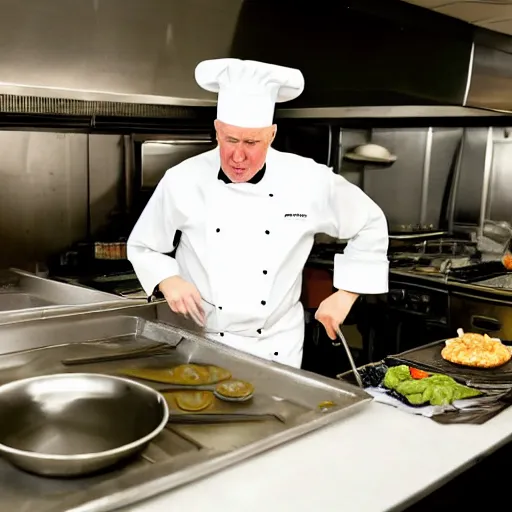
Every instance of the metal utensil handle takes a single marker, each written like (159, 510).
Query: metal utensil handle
(149, 350)
(349, 355)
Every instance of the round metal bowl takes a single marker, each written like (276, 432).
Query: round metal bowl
(77, 423)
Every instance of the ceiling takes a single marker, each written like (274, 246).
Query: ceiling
(491, 14)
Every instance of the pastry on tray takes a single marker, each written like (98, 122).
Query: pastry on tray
(193, 401)
(476, 350)
(234, 389)
(184, 374)
(218, 374)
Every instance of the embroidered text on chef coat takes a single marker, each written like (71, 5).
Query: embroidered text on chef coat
(295, 215)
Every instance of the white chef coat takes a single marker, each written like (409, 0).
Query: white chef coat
(244, 245)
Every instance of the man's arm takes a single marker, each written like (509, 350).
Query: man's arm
(152, 237)
(363, 267)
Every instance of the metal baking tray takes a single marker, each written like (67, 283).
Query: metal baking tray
(183, 452)
(25, 296)
(428, 358)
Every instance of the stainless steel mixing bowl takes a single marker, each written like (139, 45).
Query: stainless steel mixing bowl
(77, 423)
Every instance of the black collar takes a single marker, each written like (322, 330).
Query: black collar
(255, 179)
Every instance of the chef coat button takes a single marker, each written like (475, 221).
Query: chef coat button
(218, 229)
(276, 353)
(259, 331)
(263, 302)
(221, 334)
(267, 232)
(220, 307)
(271, 195)
(265, 272)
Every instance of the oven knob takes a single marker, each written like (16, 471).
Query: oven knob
(397, 295)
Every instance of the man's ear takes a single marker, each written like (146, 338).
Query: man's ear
(274, 132)
(215, 125)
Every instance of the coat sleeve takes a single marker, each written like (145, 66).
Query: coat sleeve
(153, 236)
(363, 267)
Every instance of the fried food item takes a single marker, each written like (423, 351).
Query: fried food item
(191, 374)
(326, 404)
(193, 401)
(184, 374)
(507, 261)
(235, 389)
(218, 374)
(476, 350)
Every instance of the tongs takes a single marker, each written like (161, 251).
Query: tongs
(349, 355)
(154, 349)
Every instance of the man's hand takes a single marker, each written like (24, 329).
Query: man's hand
(183, 298)
(332, 311)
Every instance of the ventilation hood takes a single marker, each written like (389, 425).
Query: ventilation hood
(114, 56)
(379, 53)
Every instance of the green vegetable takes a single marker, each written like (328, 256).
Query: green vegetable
(434, 390)
(441, 395)
(427, 394)
(440, 379)
(410, 387)
(461, 392)
(416, 399)
(395, 375)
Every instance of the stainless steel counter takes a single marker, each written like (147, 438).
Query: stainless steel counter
(501, 282)
(25, 296)
(500, 286)
(183, 452)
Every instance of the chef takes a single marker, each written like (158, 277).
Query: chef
(248, 215)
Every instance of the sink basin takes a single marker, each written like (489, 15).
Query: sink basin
(24, 296)
(15, 301)
(186, 449)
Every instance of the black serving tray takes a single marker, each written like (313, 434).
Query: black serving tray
(494, 399)
(428, 358)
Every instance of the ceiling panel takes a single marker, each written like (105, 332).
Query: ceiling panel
(473, 12)
(504, 26)
(491, 14)
(428, 3)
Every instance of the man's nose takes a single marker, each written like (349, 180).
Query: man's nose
(238, 155)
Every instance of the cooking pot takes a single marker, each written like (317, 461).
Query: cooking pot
(77, 423)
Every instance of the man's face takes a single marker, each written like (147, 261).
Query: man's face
(243, 150)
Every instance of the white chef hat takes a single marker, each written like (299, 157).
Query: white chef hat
(248, 90)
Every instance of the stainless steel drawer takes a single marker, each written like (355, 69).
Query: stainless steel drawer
(482, 315)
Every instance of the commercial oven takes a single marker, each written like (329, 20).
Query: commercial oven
(410, 315)
(482, 314)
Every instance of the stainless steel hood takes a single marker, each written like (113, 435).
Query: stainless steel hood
(137, 57)
(379, 53)
(110, 51)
